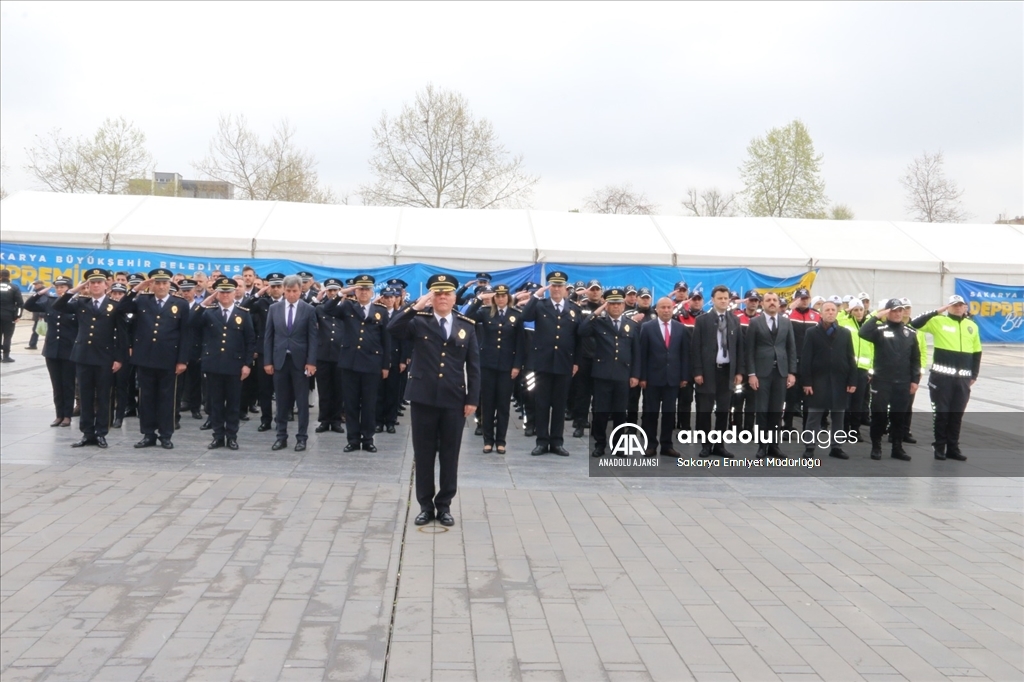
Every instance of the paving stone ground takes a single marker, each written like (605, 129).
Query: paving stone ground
(260, 565)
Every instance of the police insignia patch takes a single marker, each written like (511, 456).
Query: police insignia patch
(626, 327)
(174, 310)
(376, 316)
(512, 319)
(462, 333)
(110, 307)
(572, 313)
(238, 320)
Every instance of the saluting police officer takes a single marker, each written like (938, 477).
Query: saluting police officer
(616, 363)
(160, 349)
(365, 358)
(61, 330)
(444, 388)
(552, 359)
(97, 353)
(190, 382)
(329, 383)
(228, 344)
(581, 387)
(389, 397)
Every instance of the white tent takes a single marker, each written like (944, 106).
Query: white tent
(884, 258)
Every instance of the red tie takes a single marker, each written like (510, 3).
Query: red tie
(668, 335)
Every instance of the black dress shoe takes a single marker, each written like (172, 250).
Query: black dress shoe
(379, 428)
(598, 452)
(722, 452)
(369, 447)
(117, 424)
(900, 455)
(651, 452)
(300, 446)
(876, 452)
(196, 414)
(263, 427)
(82, 443)
(206, 425)
(351, 447)
(939, 451)
(909, 438)
(146, 442)
(390, 428)
(254, 410)
(232, 443)
(705, 451)
(446, 519)
(953, 452)
(101, 442)
(670, 453)
(337, 428)
(279, 444)
(215, 443)
(577, 432)
(530, 432)
(775, 451)
(479, 431)
(244, 417)
(762, 452)
(423, 518)
(321, 427)
(539, 450)
(559, 450)
(838, 453)
(132, 413)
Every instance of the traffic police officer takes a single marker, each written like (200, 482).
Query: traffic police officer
(329, 342)
(444, 389)
(61, 330)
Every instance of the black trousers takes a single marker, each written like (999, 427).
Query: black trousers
(582, 386)
(157, 407)
(192, 386)
(264, 392)
(124, 391)
(495, 401)
(795, 404)
(633, 410)
(389, 398)
(291, 387)
(717, 402)
(94, 383)
(62, 379)
(743, 413)
(768, 399)
(225, 391)
(329, 392)
(360, 404)
(551, 392)
(889, 404)
(251, 384)
(856, 407)
(436, 435)
(524, 390)
(684, 405)
(611, 399)
(660, 400)
(6, 333)
(949, 397)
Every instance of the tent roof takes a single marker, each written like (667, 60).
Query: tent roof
(465, 239)
(598, 238)
(963, 249)
(80, 220)
(731, 242)
(860, 244)
(320, 234)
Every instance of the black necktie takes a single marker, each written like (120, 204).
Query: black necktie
(96, 304)
(771, 325)
(226, 312)
(444, 328)
(722, 338)
(616, 326)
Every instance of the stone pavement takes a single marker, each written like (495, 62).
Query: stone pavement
(260, 565)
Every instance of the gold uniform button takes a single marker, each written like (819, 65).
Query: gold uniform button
(440, 376)
(556, 347)
(442, 354)
(442, 364)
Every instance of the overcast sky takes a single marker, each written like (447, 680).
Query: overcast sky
(664, 96)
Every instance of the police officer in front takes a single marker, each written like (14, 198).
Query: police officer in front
(160, 349)
(328, 385)
(552, 358)
(228, 346)
(61, 330)
(897, 374)
(444, 388)
(616, 363)
(365, 358)
(97, 354)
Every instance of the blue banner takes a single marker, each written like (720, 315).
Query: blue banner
(998, 310)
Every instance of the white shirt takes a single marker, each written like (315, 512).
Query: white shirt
(448, 323)
(98, 302)
(221, 309)
(160, 301)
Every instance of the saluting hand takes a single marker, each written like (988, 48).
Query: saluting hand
(638, 318)
(422, 301)
(144, 284)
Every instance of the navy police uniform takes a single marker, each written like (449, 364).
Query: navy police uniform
(61, 330)
(329, 383)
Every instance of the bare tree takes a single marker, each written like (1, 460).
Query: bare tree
(709, 202)
(434, 154)
(275, 170)
(620, 199)
(931, 196)
(102, 164)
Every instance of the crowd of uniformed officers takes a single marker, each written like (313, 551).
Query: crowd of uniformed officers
(152, 345)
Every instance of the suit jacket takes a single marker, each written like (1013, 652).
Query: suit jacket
(704, 348)
(444, 372)
(98, 341)
(616, 353)
(365, 343)
(554, 336)
(766, 354)
(300, 341)
(61, 328)
(160, 337)
(827, 365)
(227, 346)
(660, 366)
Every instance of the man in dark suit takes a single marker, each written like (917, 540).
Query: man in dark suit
(228, 346)
(271, 292)
(551, 358)
(289, 355)
(771, 367)
(365, 358)
(828, 375)
(160, 349)
(98, 354)
(443, 389)
(717, 358)
(664, 369)
(616, 364)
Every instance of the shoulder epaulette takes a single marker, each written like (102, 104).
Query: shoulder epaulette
(381, 305)
(238, 307)
(465, 318)
(424, 312)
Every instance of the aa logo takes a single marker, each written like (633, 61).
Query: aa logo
(628, 439)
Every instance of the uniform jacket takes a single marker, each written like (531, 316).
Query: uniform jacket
(502, 341)
(897, 355)
(704, 348)
(195, 339)
(258, 310)
(443, 373)
(329, 335)
(660, 366)
(827, 365)
(401, 349)
(61, 328)
(11, 302)
(554, 336)
(802, 321)
(616, 354)
(227, 346)
(766, 354)
(160, 338)
(98, 341)
(365, 343)
(300, 341)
